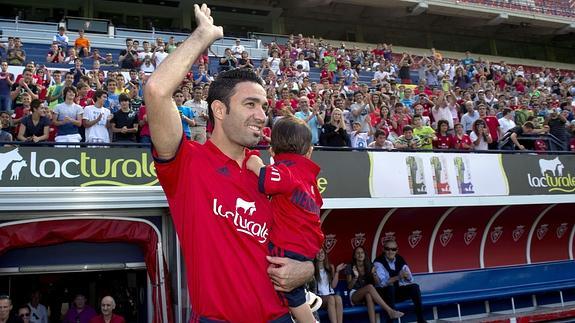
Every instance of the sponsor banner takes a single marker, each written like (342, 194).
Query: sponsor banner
(436, 174)
(540, 174)
(78, 167)
(344, 174)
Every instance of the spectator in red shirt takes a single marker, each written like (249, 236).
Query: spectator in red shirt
(444, 140)
(219, 206)
(460, 139)
(55, 55)
(107, 305)
(492, 123)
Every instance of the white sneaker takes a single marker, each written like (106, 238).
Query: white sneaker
(313, 301)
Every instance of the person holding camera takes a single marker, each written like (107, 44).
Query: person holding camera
(56, 54)
(480, 136)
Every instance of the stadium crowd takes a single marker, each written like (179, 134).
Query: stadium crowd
(407, 102)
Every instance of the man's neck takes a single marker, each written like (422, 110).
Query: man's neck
(227, 147)
(68, 101)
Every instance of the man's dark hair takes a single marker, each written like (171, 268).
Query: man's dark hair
(506, 111)
(57, 72)
(407, 128)
(291, 135)
(98, 94)
(177, 92)
(68, 89)
(123, 97)
(223, 87)
(529, 125)
(35, 104)
(378, 133)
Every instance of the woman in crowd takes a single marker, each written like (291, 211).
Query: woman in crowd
(326, 278)
(35, 127)
(444, 140)
(375, 104)
(360, 283)
(480, 136)
(385, 123)
(460, 139)
(333, 133)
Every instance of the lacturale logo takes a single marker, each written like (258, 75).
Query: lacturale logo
(14, 161)
(553, 177)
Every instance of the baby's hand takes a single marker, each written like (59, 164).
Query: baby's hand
(254, 164)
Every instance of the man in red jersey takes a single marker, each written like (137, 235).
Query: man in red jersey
(221, 219)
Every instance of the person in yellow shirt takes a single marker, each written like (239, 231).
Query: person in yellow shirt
(82, 45)
(426, 134)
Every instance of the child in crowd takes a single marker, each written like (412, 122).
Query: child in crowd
(296, 201)
(358, 138)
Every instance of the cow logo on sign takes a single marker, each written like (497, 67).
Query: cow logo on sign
(469, 235)
(445, 237)
(542, 231)
(358, 241)
(518, 232)
(561, 230)
(329, 242)
(389, 236)
(414, 238)
(496, 234)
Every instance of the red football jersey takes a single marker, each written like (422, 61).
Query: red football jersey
(443, 142)
(296, 203)
(222, 222)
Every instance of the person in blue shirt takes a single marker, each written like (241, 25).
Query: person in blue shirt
(311, 116)
(186, 113)
(394, 279)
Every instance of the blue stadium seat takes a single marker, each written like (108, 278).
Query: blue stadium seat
(460, 287)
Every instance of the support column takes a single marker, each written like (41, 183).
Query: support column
(278, 26)
(493, 47)
(89, 8)
(359, 37)
(187, 8)
(429, 40)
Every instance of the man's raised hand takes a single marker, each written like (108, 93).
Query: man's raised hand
(205, 22)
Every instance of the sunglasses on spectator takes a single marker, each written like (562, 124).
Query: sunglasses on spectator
(390, 249)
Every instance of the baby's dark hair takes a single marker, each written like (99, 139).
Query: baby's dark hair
(291, 135)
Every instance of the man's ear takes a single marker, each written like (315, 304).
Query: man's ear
(271, 151)
(218, 109)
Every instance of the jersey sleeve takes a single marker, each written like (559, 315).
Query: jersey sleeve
(275, 179)
(170, 171)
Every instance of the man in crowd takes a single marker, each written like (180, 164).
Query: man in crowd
(395, 279)
(97, 119)
(108, 305)
(129, 56)
(38, 312)
(238, 252)
(16, 55)
(124, 123)
(200, 109)
(6, 81)
(311, 116)
(68, 117)
(82, 44)
(5, 309)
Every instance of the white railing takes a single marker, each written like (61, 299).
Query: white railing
(42, 33)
